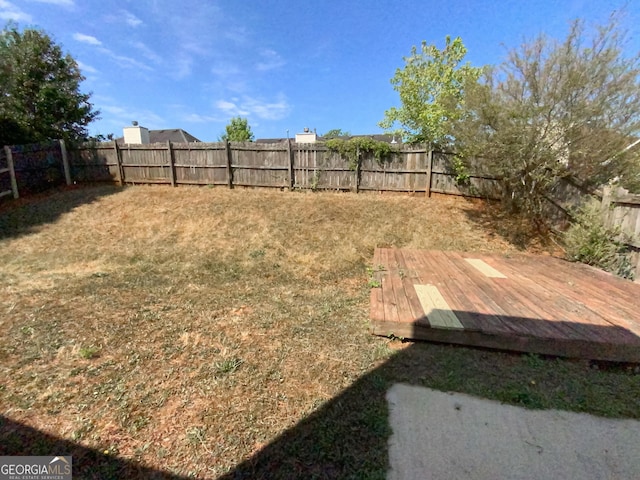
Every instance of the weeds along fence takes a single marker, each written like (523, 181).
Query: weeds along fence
(281, 165)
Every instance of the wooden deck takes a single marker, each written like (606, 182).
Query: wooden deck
(521, 302)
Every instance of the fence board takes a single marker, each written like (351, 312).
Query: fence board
(7, 178)
(622, 210)
(95, 163)
(200, 164)
(36, 167)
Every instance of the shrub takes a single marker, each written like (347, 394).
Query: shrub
(590, 241)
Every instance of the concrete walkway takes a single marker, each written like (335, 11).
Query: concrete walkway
(439, 435)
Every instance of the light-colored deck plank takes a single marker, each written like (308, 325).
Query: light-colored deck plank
(484, 268)
(436, 308)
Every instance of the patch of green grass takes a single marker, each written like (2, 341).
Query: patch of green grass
(259, 253)
(89, 352)
(227, 366)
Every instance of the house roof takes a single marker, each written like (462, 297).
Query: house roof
(175, 135)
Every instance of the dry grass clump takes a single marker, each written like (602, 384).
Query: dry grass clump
(186, 329)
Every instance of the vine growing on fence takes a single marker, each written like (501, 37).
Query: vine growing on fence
(459, 167)
(352, 149)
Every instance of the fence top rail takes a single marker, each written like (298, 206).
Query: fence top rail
(620, 195)
(196, 146)
(257, 147)
(628, 199)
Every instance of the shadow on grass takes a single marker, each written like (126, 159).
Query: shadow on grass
(347, 436)
(17, 439)
(21, 216)
(518, 231)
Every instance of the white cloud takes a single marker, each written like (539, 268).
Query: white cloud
(198, 118)
(229, 77)
(60, 3)
(8, 11)
(247, 105)
(130, 19)
(86, 68)
(119, 116)
(237, 34)
(230, 108)
(270, 60)
(124, 61)
(225, 70)
(147, 52)
(182, 67)
(81, 37)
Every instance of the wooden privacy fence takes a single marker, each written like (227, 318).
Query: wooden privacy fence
(33, 168)
(622, 210)
(281, 165)
(8, 184)
(286, 165)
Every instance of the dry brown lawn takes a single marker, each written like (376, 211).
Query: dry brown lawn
(187, 329)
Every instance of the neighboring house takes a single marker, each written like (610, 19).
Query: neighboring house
(311, 137)
(136, 134)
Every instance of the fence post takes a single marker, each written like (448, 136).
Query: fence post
(290, 154)
(12, 172)
(172, 171)
(358, 170)
(229, 158)
(607, 194)
(119, 170)
(65, 162)
(429, 169)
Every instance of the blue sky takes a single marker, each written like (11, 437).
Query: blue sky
(284, 65)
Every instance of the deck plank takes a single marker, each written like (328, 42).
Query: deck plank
(430, 273)
(525, 301)
(397, 268)
(388, 296)
(571, 314)
(501, 302)
(580, 287)
(483, 309)
(436, 308)
(577, 278)
(532, 304)
(409, 279)
(484, 268)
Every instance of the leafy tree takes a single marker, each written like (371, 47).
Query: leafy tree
(40, 96)
(554, 109)
(335, 133)
(238, 130)
(431, 87)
